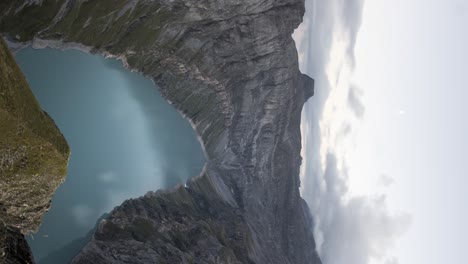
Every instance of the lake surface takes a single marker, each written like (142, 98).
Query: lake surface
(125, 140)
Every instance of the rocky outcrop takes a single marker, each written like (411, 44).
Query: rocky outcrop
(231, 68)
(15, 249)
(33, 161)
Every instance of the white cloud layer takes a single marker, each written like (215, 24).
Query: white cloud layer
(355, 229)
(348, 229)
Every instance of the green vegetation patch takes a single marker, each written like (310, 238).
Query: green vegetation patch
(17, 99)
(33, 153)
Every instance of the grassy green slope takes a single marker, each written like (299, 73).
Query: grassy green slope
(33, 152)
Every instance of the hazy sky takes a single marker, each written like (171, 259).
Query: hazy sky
(384, 137)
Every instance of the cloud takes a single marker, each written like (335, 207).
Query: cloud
(322, 18)
(323, 22)
(392, 260)
(352, 230)
(355, 102)
(351, 14)
(348, 229)
(386, 180)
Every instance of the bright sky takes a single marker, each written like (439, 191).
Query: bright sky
(411, 65)
(403, 138)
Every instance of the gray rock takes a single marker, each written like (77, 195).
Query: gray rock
(231, 68)
(15, 249)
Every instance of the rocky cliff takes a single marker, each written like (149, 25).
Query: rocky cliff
(33, 161)
(231, 68)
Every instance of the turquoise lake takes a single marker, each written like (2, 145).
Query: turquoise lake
(125, 139)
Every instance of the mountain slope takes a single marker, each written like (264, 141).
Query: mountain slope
(33, 159)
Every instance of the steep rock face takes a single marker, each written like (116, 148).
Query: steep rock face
(15, 249)
(33, 161)
(231, 68)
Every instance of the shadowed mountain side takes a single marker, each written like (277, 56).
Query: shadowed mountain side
(63, 254)
(195, 227)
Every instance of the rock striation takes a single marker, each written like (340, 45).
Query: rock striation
(231, 68)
